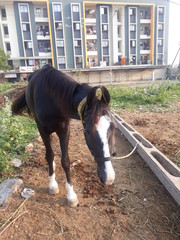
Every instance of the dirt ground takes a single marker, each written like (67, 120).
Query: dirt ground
(136, 206)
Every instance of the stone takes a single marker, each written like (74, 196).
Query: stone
(16, 162)
(7, 188)
(29, 147)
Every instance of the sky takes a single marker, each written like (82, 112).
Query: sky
(174, 31)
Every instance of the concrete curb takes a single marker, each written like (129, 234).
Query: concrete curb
(166, 171)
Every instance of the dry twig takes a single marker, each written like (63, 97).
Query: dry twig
(14, 213)
(12, 222)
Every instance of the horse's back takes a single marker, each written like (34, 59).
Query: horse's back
(39, 98)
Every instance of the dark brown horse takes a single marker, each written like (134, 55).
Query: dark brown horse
(54, 98)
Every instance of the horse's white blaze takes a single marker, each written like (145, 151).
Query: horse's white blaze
(102, 128)
(52, 182)
(71, 195)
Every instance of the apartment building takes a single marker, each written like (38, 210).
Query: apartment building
(84, 34)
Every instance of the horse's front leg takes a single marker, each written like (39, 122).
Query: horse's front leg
(63, 135)
(53, 186)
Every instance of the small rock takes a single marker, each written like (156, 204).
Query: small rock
(27, 192)
(29, 147)
(39, 139)
(77, 162)
(16, 162)
(7, 188)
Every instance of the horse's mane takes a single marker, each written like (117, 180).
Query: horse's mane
(59, 86)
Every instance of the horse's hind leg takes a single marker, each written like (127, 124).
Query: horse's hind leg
(53, 186)
(63, 134)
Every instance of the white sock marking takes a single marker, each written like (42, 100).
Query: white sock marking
(71, 195)
(52, 182)
(54, 165)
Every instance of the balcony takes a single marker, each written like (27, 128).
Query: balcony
(41, 19)
(145, 15)
(145, 52)
(145, 21)
(44, 49)
(90, 20)
(92, 53)
(91, 32)
(142, 36)
(91, 37)
(43, 32)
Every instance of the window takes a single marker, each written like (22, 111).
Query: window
(77, 26)
(38, 10)
(75, 8)
(103, 10)
(30, 62)
(105, 43)
(118, 15)
(78, 60)
(133, 43)
(160, 26)
(132, 11)
(8, 47)
(77, 43)
(161, 10)
(23, 9)
(57, 8)
(24, 27)
(29, 45)
(61, 60)
(160, 42)
(132, 27)
(6, 31)
(105, 27)
(59, 26)
(60, 43)
(3, 13)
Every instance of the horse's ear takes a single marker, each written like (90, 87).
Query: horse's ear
(105, 95)
(98, 94)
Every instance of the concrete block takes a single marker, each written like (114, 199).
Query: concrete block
(166, 171)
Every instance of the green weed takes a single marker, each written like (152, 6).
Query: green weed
(146, 97)
(15, 133)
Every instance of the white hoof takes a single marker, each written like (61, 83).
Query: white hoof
(71, 196)
(54, 191)
(73, 203)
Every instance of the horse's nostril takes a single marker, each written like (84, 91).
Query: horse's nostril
(114, 154)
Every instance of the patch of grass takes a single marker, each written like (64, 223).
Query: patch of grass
(7, 87)
(146, 97)
(15, 133)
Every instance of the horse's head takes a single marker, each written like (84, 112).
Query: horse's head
(99, 131)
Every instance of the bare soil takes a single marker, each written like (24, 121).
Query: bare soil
(136, 206)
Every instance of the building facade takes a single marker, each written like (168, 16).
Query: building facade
(84, 34)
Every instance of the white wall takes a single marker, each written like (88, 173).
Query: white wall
(12, 30)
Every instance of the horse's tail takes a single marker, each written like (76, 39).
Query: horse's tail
(19, 104)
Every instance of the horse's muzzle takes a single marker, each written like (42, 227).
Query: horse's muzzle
(106, 173)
